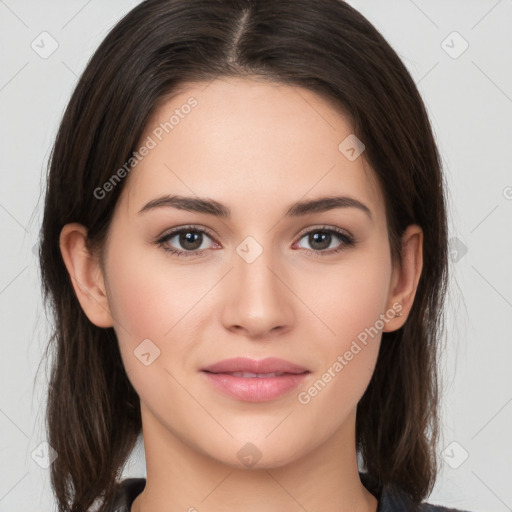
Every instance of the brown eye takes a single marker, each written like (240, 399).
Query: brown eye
(320, 240)
(187, 241)
(323, 241)
(190, 240)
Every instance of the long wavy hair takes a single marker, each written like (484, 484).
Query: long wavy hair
(93, 413)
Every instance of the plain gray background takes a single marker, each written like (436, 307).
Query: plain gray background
(459, 52)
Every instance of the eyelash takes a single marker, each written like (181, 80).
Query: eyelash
(348, 241)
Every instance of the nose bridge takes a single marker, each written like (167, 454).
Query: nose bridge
(257, 300)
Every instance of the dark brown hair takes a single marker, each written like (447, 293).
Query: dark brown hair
(326, 46)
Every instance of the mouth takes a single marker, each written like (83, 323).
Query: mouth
(255, 381)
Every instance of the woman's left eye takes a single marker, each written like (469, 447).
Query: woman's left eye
(321, 239)
(191, 240)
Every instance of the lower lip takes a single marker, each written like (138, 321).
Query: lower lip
(254, 389)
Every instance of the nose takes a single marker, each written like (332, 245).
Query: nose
(257, 300)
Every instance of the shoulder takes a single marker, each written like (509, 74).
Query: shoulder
(394, 499)
(398, 501)
(427, 507)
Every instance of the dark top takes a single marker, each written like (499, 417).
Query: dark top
(390, 499)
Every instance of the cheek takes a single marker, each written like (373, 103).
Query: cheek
(152, 312)
(150, 296)
(348, 297)
(350, 303)
(152, 299)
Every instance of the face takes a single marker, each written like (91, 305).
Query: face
(306, 286)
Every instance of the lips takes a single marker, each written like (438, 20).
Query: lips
(255, 381)
(245, 367)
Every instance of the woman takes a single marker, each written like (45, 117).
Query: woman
(245, 246)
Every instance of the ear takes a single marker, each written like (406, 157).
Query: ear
(405, 277)
(86, 274)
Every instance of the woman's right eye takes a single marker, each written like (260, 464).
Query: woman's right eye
(189, 241)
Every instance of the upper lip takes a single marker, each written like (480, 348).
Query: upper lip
(244, 364)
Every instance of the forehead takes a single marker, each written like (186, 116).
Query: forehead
(248, 143)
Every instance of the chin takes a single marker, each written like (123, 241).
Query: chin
(253, 455)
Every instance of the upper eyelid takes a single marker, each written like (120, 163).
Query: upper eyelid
(179, 229)
(324, 227)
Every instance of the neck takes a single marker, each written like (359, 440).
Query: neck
(181, 478)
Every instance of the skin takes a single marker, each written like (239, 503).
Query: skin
(255, 147)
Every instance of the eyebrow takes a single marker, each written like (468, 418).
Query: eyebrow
(212, 207)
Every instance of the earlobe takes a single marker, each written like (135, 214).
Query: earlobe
(405, 278)
(86, 274)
